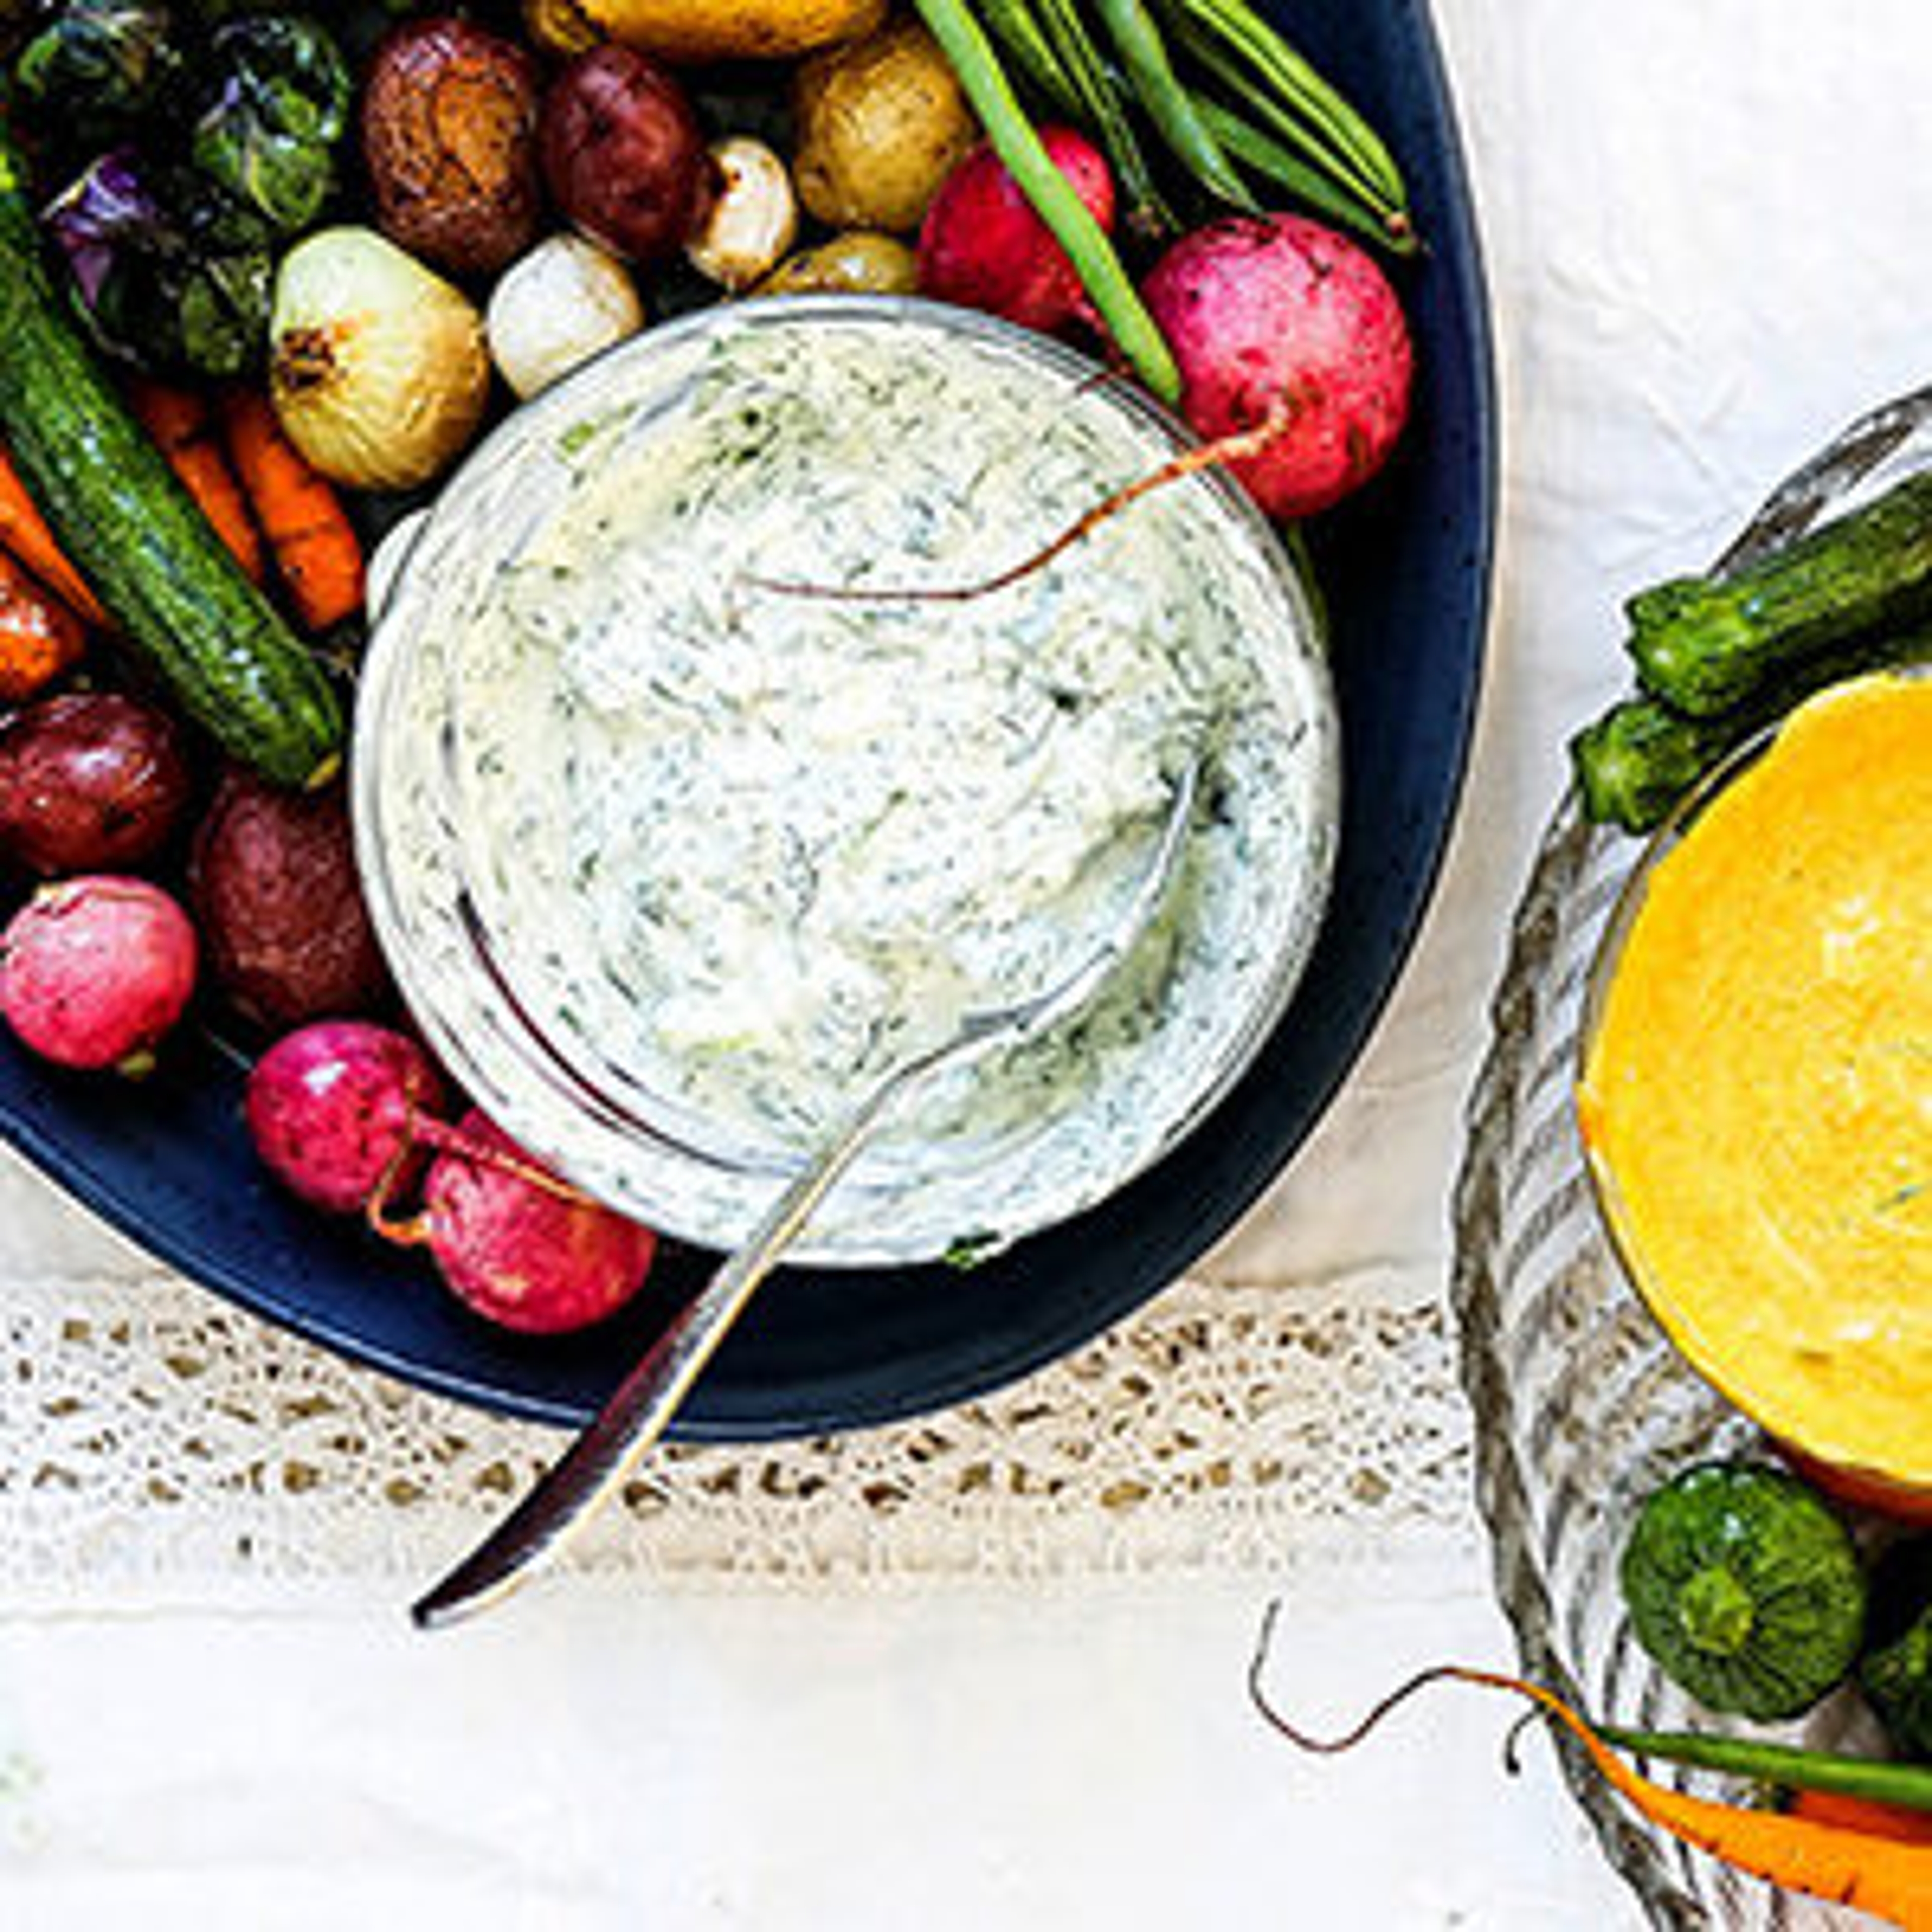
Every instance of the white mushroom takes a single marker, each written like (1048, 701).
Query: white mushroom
(753, 218)
(557, 306)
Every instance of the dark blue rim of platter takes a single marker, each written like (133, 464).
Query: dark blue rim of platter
(1405, 569)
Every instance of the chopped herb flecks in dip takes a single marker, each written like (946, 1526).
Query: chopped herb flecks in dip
(754, 847)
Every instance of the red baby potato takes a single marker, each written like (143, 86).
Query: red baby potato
(1276, 313)
(273, 881)
(95, 970)
(623, 154)
(519, 1248)
(92, 781)
(332, 1110)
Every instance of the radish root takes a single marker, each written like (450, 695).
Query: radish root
(1440, 1673)
(425, 1130)
(1236, 448)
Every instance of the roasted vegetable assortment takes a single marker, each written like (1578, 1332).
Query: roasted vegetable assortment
(266, 273)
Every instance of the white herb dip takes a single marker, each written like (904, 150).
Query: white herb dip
(749, 847)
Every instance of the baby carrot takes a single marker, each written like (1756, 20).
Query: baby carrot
(315, 545)
(40, 637)
(182, 426)
(24, 531)
(1887, 1876)
(1879, 1872)
(1864, 1814)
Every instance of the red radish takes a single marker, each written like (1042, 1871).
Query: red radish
(516, 1244)
(333, 1110)
(1276, 315)
(95, 971)
(982, 247)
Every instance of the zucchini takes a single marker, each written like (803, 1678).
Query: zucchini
(1745, 1588)
(1705, 645)
(225, 654)
(1636, 760)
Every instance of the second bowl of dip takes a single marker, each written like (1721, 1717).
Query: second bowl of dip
(682, 821)
(1755, 1094)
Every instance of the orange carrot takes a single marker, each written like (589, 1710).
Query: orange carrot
(1864, 1814)
(40, 637)
(24, 531)
(1882, 1874)
(315, 545)
(182, 426)
(1879, 1872)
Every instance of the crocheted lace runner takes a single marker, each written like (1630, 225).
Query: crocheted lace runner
(149, 1430)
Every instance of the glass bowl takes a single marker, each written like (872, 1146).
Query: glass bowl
(1839, 1468)
(464, 826)
(1581, 1404)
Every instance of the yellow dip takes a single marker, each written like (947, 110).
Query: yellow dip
(1758, 1095)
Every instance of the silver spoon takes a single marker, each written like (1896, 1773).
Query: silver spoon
(637, 1415)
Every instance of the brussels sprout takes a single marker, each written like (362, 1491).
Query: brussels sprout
(274, 94)
(168, 273)
(95, 72)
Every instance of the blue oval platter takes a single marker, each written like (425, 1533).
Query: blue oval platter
(1405, 570)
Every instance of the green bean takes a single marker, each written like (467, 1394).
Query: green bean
(1262, 154)
(1148, 214)
(1051, 195)
(1284, 120)
(1016, 30)
(1301, 86)
(1881, 1779)
(1169, 105)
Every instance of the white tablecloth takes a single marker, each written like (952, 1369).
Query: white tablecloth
(1702, 218)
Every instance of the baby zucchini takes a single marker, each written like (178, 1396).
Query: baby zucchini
(1705, 645)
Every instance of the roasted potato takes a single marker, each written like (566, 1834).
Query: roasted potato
(89, 782)
(695, 31)
(272, 877)
(449, 135)
(860, 263)
(881, 122)
(623, 153)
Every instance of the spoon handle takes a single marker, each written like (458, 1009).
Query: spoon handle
(605, 1454)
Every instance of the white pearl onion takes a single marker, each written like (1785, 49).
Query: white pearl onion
(557, 307)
